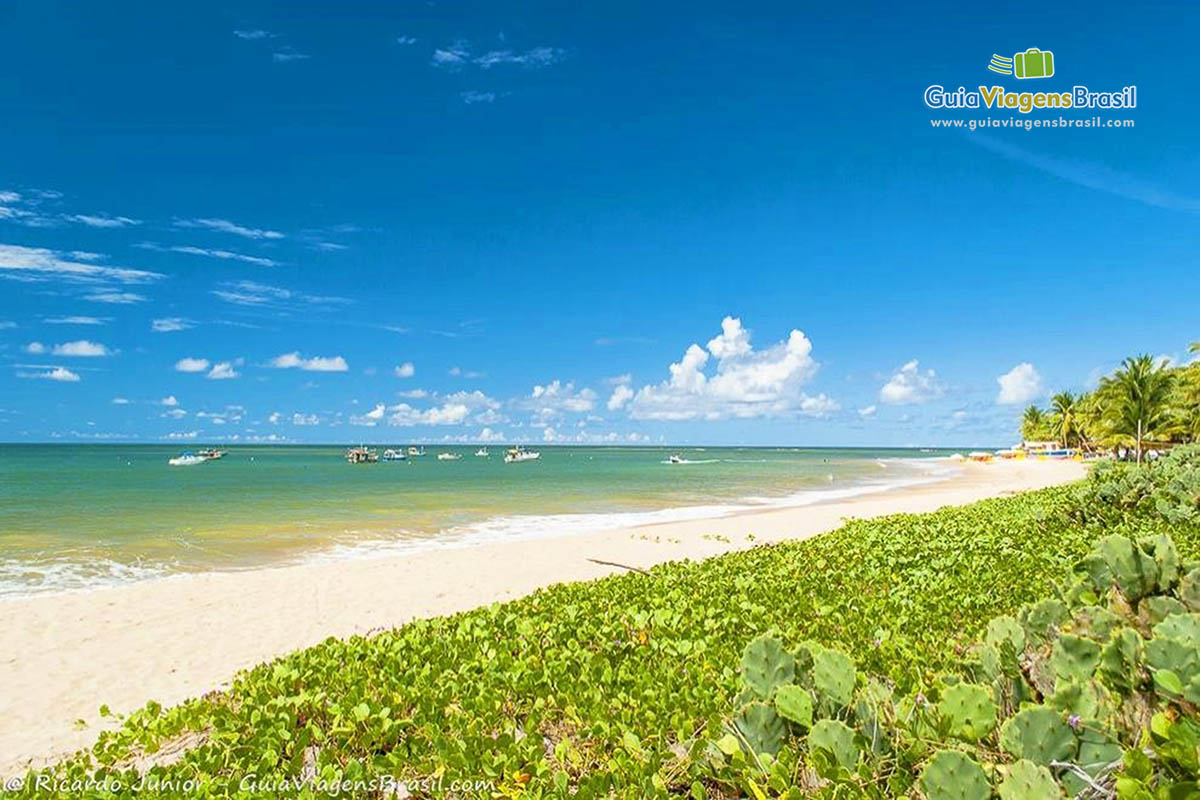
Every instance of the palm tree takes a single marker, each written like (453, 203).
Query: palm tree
(1064, 418)
(1139, 392)
(1033, 422)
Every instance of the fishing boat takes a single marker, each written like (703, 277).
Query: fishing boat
(211, 454)
(518, 453)
(186, 459)
(361, 455)
(675, 459)
(394, 455)
(413, 452)
(449, 456)
(482, 452)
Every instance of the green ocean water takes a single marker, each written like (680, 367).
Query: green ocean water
(74, 516)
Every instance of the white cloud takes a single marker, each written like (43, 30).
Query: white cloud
(286, 56)
(81, 349)
(405, 370)
(1019, 385)
(57, 374)
(556, 398)
(371, 418)
(306, 420)
(251, 293)
(225, 226)
(252, 35)
(274, 417)
(909, 385)
(222, 371)
(169, 401)
(76, 320)
(191, 364)
(39, 263)
(818, 405)
(102, 220)
(414, 394)
(225, 255)
(175, 413)
(168, 324)
(472, 97)
(487, 435)
(120, 401)
(6, 324)
(294, 360)
(182, 435)
(119, 298)
(35, 348)
(456, 409)
(459, 372)
(868, 411)
(746, 383)
(620, 396)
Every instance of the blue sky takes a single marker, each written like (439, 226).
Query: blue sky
(489, 221)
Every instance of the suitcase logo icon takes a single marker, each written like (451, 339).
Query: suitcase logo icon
(1033, 63)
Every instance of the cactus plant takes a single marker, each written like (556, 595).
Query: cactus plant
(766, 666)
(833, 676)
(1121, 661)
(1008, 637)
(760, 727)
(1042, 619)
(1074, 658)
(1095, 622)
(836, 739)
(1167, 558)
(1155, 609)
(1039, 734)
(1028, 781)
(952, 775)
(968, 710)
(794, 704)
(1135, 571)
(1185, 627)
(1189, 590)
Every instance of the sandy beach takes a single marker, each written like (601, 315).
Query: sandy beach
(64, 655)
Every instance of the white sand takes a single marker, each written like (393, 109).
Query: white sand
(62, 656)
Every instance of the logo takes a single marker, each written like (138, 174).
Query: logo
(1033, 63)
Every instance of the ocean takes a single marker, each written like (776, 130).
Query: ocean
(77, 516)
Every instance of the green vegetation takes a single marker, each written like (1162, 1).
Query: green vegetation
(1095, 691)
(1145, 403)
(631, 686)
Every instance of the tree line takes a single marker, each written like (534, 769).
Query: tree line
(1146, 404)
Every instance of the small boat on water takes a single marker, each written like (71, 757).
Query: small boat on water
(413, 452)
(211, 454)
(675, 459)
(449, 456)
(518, 453)
(482, 452)
(361, 455)
(187, 459)
(394, 455)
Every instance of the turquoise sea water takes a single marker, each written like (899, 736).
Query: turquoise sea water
(73, 516)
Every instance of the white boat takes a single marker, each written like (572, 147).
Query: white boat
(414, 451)
(518, 453)
(186, 459)
(361, 455)
(449, 456)
(394, 455)
(482, 452)
(211, 454)
(675, 459)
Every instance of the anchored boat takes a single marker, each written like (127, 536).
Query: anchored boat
(518, 453)
(394, 455)
(449, 456)
(186, 459)
(361, 455)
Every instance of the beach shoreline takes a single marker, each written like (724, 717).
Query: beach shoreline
(167, 640)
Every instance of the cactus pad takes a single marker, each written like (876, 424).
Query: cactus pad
(1029, 781)
(1040, 735)
(968, 710)
(766, 666)
(761, 727)
(951, 775)
(795, 704)
(836, 739)
(833, 676)
(1074, 658)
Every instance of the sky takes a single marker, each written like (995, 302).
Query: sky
(579, 223)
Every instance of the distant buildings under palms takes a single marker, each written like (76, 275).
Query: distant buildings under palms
(1146, 404)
